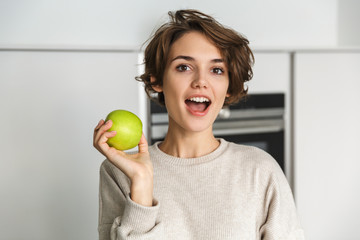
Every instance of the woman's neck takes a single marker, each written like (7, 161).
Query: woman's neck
(184, 144)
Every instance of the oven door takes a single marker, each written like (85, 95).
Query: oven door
(267, 134)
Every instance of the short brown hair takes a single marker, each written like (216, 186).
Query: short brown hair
(232, 45)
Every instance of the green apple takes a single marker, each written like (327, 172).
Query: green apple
(128, 129)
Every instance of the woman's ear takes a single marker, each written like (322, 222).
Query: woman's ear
(157, 88)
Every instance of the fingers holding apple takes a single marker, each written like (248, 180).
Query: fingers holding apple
(101, 122)
(143, 144)
(121, 130)
(128, 127)
(101, 135)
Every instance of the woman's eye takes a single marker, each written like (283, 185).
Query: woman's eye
(183, 68)
(217, 71)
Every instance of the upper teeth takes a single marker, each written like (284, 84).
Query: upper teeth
(199, 99)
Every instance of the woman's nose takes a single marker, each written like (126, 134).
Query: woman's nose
(199, 81)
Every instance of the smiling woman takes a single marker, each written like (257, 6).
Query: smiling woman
(193, 185)
(195, 73)
(233, 47)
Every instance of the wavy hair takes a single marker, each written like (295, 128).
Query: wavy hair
(233, 46)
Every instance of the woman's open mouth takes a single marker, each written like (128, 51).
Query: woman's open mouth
(198, 105)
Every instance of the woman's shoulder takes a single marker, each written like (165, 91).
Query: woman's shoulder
(251, 156)
(253, 162)
(247, 151)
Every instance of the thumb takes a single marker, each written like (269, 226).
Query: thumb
(143, 145)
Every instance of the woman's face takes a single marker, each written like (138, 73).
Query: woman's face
(195, 83)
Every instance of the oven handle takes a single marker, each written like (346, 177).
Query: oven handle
(247, 130)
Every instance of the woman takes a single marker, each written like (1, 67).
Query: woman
(193, 185)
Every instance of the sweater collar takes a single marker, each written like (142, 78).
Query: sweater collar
(157, 153)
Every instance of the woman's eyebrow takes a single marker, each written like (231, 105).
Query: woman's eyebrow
(188, 58)
(218, 60)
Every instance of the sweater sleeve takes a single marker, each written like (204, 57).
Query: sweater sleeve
(119, 217)
(281, 219)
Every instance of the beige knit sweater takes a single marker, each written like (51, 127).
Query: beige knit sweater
(235, 192)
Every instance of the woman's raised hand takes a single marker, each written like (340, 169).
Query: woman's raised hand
(137, 167)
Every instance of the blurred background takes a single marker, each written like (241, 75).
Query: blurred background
(65, 64)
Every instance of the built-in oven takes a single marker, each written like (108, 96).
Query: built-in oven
(258, 120)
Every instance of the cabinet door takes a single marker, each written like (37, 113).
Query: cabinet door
(50, 102)
(271, 72)
(272, 75)
(327, 139)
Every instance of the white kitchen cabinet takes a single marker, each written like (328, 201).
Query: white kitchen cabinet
(50, 102)
(272, 74)
(327, 139)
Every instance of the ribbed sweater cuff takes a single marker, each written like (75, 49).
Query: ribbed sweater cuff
(139, 218)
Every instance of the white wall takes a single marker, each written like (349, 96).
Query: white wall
(49, 172)
(348, 23)
(276, 23)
